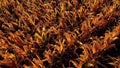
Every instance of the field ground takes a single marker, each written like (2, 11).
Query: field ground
(60, 33)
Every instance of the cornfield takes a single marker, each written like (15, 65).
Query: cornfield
(59, 33)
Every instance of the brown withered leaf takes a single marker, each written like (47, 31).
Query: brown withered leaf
(48, 56)
(70, 37)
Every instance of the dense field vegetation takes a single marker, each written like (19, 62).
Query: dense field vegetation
(59, 33)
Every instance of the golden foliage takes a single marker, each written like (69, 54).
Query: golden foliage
(59, 33)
